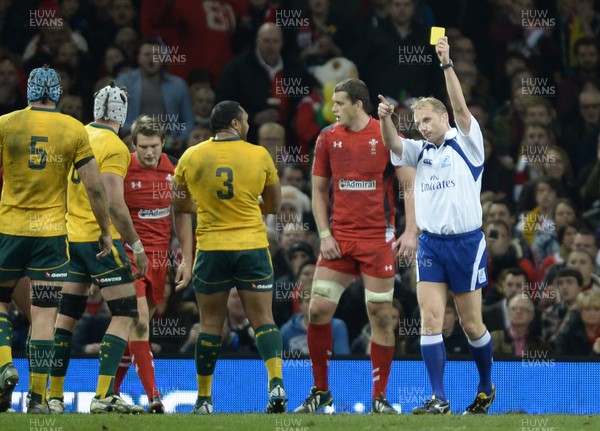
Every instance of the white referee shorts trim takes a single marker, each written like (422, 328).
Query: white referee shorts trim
(330, 290)
(379, 297)
(478, 257)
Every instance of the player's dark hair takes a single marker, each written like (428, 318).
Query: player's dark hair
(357, 90)
(224, 113)
(571, 272)
(147, 126)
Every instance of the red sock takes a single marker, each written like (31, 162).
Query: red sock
(381, 361)
(142, 358)
(320, 344)
(122, 370)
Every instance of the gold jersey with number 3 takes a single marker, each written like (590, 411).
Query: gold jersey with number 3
(38, 147)
(225, 179)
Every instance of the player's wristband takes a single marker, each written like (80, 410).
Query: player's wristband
(137, 247)
(324, 233)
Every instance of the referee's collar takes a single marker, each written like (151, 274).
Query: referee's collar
(450, 134)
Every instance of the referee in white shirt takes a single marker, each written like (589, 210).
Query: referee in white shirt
(452, 249)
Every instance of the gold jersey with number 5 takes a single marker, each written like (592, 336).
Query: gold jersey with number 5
(38, 146)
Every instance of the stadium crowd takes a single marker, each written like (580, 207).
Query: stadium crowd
(530, 74)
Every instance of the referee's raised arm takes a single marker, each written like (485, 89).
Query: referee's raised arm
(462, 116)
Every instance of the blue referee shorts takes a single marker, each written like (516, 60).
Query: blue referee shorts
(458, 260)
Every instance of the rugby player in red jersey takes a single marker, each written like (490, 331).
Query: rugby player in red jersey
(148, 194)
(357, 240)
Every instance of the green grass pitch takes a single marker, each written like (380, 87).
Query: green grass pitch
(288, 422)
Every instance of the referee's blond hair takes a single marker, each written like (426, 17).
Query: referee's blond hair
(429, 102)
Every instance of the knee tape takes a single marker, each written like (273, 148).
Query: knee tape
(45, 295)
(329, 290)
(124, 307)
(379, 297)
(72, 305)
(6, 294)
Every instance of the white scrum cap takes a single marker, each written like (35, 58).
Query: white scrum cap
(110, 103)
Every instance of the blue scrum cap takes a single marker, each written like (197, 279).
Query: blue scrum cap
(43, 83)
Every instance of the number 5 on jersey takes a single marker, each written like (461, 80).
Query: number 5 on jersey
(37, 156)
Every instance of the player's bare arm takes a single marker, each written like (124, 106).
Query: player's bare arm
(462, 116)
(330, 249)
(271, 199)
(183, 208)
(407, 242)
(121, 218)
(90, 176)
(390, 136)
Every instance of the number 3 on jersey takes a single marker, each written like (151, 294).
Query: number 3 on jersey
(227, 183)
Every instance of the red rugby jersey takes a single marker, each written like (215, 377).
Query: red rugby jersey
(363, 181)
(148, 194)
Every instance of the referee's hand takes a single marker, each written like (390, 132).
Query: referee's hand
(385, 108)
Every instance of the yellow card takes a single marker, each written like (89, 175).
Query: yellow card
(436, 34)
